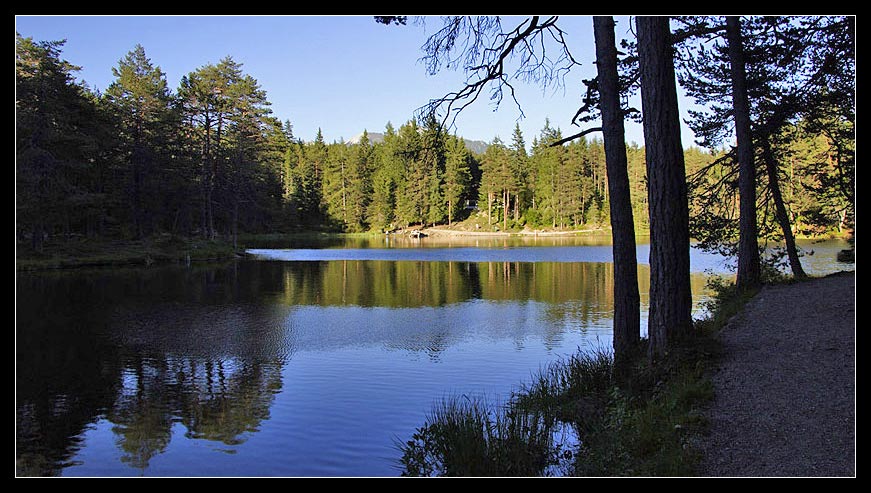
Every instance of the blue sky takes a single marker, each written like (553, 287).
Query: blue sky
(339, 73)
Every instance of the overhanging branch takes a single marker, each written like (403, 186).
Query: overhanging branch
(575, 136)
(484, 50)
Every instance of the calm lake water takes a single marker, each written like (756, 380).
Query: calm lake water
(306, 362)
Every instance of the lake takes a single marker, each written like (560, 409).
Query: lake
(308, 359)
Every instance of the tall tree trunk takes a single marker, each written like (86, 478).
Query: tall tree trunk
(450, 210)
(780, 211)
(749, 270)
(210, 217)
(505, 197)
(136, 199)
(236, 222)
(208, 182)
(136, 168)
(627, 316)
(670, 315)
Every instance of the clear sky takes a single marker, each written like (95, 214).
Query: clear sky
(342, 74)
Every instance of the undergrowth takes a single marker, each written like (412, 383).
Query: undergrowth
(640, 422)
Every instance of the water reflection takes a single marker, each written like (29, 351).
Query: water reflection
(143, 350)
(119, 372)
(402, 241)
(819, 257)
(381, 283)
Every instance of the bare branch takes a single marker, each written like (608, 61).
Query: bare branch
(575, 136)
(483, 49)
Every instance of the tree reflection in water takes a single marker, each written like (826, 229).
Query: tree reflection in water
(158, 353)
(113, 346)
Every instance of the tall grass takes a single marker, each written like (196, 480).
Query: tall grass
(527, 436)
(643, 421)
(471, 438)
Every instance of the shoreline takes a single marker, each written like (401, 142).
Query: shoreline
(123, 253)
(440, 231)
(84, 253)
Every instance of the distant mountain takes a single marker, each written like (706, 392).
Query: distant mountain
(476, 146)
(373, 138)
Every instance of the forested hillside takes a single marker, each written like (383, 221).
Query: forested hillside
(209, 159)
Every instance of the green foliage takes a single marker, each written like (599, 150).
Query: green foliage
(726, 301)
(801, 86)
(573, 390)
(469, 438)
(642, 424)
(648, 437)
(59, 153)
(457, 176)
(86, 252)
(209, 159)
(140, 102)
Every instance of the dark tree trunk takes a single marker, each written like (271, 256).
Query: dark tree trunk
(37, 236)
(749, 271)
(780, 212)
(236, 223)
(136, 202)
(670, 315)
(204, 184)
(627, 316)
(208, 183)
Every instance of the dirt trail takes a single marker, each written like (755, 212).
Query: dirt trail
(785, 387)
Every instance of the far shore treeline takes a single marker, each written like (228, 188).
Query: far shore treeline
(209, 160)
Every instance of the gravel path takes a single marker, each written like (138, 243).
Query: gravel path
(785, 387)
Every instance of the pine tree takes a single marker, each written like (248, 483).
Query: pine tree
(576, 156)
(568, 183)
(141, 100)
(749, 269)
(56, 125)
(494, 164)
(545, 162)
(288, 131)
(386, 177)
(360, 184)
(412, 197)
(312, 174)
(226, 112)
(795, 66)
(519, 165)
(336, 182)
(247, 167)
(433, 161)
(457, 176)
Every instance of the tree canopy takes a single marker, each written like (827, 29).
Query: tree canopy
(208, 158)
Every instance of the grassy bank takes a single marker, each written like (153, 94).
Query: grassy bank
(303, 235)
(641, 424)
(86, 252)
